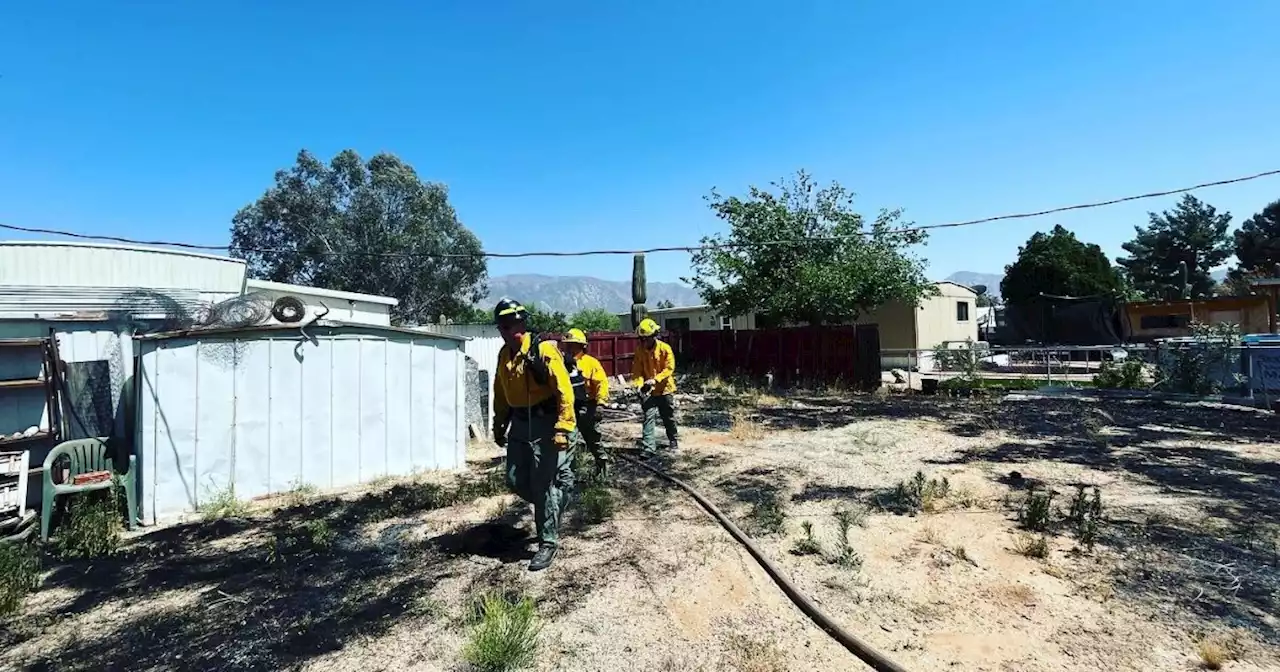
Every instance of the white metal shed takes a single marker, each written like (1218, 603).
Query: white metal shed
(265, 409)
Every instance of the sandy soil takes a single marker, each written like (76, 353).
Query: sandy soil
(1187, 554)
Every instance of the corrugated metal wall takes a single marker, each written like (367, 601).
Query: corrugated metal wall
(483, 344)
(270, 412)
(65, 264)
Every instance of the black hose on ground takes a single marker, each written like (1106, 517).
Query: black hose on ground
(864, 652)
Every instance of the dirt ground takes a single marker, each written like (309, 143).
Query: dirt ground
(1186, 558)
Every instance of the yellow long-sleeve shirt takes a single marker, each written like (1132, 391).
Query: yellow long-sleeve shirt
(658, 364)
(596, 379)
(514, 386)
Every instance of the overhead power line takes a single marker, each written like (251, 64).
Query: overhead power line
(671, 248)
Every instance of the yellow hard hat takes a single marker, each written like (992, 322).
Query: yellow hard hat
(647, 328)
(575, 336)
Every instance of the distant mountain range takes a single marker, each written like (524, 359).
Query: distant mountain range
(992, 280)
(570, 294)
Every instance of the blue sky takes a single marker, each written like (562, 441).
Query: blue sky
(578, 125)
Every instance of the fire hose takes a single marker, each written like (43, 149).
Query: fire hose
(865, 652)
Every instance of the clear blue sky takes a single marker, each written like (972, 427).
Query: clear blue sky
(583, 124)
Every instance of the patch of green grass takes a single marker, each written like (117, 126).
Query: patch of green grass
(223, 503)
(504, 634)
(807, 544)
(767, 516)
(19, 575)
(299, 494)
(1036, 513)
(597, 504)
(92, 527)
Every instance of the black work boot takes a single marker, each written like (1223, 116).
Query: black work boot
(673, 444)
(543, 558)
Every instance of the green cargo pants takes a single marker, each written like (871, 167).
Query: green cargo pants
(656, 407)
(539, 473)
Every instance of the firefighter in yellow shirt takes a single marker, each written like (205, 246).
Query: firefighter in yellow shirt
(533, 416)
(590, 391)
(653, 371)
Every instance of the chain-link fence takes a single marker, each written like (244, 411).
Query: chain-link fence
(1196, 366)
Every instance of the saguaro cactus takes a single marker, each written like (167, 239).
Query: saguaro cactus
(638, 293)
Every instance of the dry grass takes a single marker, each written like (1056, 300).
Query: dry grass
(1213, 655)
(744, 427)
(929, 535)
(1031, 546)
(747, 654)
(767, 400)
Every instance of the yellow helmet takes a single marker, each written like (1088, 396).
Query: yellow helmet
(647, 328)
(575, 336)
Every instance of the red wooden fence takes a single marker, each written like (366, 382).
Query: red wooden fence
(848, 354)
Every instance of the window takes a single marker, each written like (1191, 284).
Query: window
(962, 311)
(726, 322)
(1164, 321)
(677, 324)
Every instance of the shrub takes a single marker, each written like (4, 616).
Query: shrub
(806, 545)
(920, 494)
(1036, 513)
(1126, 376)
(19, 575)
(767, 516)
(504, 635)
(1031, 546)
(1085, 516)
(597, 504)
(92, 527)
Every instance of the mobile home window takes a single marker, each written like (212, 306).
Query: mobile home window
(677, 324)
(1164, 321)
(962, 311)
(726, 322)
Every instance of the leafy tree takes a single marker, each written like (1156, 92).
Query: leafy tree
(595, 319)
(1060, 264)
(547, 321)
(666, 303)
(476, 315)
(830, 264)
(363, 227)
(1257, 247)
(1193, 232)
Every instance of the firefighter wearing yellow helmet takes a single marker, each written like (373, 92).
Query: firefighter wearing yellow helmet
(590, 391)
(533, 417)
(653, 371)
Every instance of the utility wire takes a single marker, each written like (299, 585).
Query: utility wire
(651, 250)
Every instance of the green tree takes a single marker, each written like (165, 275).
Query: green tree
(1060, 264)
(1193, 232)
(595, 319)
(1257, 248)
(984, 299)
(372, 227)
(547, 321)
(800, 253)
(665, 303)
(476, 315)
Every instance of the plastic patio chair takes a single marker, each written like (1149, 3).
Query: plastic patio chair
(87, 456)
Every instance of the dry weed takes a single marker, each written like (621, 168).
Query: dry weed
(1221, 648)
(929, 535)
(743, 427)
(768, 400)
(1031, 546)
(745, 654)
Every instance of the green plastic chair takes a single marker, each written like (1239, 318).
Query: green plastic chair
(87, 456)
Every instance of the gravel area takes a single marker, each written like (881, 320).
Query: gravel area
(1186, 553)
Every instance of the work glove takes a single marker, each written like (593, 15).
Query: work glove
(561, 440)
(500, 436)
(648, 386)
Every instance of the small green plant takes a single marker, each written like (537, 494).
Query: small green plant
(313, 536)
(504, 635)
(1031, 546)
(1085, 516)
(319, 534)
(807, 544)
(597, 504)
(1036, 513)
(845, 556)
(1128, 375)
(299, 494)
(92, 527)
(19, 575)
(767, 516)
(223, 503)
(920, 494)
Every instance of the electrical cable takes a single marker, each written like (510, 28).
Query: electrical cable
(651, 250)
